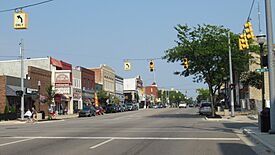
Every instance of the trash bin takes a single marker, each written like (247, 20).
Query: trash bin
(265, 120)
(43, 114)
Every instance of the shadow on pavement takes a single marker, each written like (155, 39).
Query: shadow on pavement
(235, 148)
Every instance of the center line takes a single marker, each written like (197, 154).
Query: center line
(95, 146)
(18, 141)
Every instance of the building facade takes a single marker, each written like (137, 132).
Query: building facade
(87, 85)
(105, 76)
(76, 91)
(119, 88)
(60, 72)
(134, 91)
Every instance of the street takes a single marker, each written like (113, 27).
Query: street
(150, 131)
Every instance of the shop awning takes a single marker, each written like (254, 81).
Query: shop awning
(11, 90)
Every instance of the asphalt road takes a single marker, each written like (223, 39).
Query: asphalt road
(151, 131)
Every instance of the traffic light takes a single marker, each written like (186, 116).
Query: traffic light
(249, 30)
(185, 62)
(243, 42)
(151, 66)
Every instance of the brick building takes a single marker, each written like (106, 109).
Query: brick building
(40, 77)
(87, 85)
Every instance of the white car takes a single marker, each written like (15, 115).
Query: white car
(182, 105)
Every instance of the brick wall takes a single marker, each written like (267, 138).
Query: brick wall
(2, 93)
(88, 78)
(44, 76)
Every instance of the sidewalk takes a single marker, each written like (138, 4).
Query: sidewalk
(266, 139)
(58, 117)
(237, 118)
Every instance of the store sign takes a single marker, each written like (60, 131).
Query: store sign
(31, 91)
(62, 77)
(63, 90)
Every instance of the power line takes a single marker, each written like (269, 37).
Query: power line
(26, 6)
(141, 59)
(248, 18)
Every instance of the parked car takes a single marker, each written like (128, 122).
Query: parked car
(135, 107)
(182, 105)
(111, 108)
(205, 108)
(129, 106)
(87, 111)
(122, 107)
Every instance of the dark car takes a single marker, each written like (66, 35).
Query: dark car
(111, 108)
(87, 111)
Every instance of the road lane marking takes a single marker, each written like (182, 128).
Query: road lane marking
(138, 138)
(95, 146)
(18, 141)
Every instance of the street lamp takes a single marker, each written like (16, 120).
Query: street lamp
(261, 40)
(39, 84)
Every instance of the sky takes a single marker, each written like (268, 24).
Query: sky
(92, 32)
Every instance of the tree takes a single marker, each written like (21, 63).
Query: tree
(50, 94)
(203, 94)
(251, 79)
(206, 47)
(102, 97)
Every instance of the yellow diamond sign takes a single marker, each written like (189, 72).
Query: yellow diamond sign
(20, 20)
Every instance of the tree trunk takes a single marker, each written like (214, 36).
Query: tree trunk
(212, 98)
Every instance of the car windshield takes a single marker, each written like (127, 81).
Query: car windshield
(86, 108)
(206, 105)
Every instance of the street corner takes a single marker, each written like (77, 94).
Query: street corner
(265, 140)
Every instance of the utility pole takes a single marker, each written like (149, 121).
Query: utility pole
(231, 78)
(22, 78)
(270, 64)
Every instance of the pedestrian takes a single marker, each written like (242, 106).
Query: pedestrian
(28, 114)
(34, 114)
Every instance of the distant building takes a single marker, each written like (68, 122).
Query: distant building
(105, 76)
(151, 93)
(133, 90)
(119, 88)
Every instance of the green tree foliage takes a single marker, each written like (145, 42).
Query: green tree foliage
(102, 98)
(251, 79)
(203, 95)
(50, 94)
(206, 47)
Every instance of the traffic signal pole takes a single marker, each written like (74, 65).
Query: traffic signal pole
(270, 64)
(22, 78)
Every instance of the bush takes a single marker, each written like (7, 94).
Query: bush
(6, 109)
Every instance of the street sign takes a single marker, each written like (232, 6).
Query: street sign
(262, 70)
(20, 20)
(127, 66)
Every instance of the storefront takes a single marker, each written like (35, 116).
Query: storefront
(88, 97)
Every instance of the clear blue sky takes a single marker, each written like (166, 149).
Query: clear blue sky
(93, 32)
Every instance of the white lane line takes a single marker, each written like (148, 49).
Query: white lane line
(139, 138)
(95, 146)
(18, 141)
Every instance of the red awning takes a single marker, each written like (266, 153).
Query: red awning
(56, 62)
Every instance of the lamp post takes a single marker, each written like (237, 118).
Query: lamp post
(39, 85)
(261, 40)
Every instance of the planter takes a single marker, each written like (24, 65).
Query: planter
(8, 116)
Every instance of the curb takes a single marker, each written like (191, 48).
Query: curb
(256, 139)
